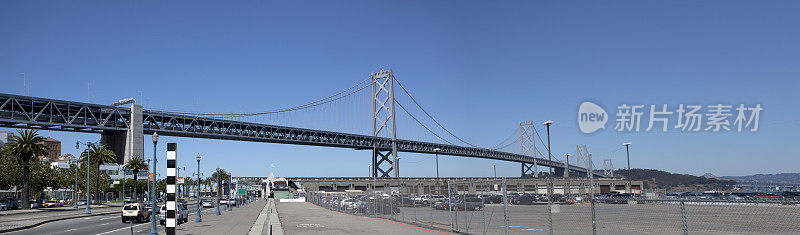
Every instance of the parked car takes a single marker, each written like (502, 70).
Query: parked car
(403, 201)
(181, 215)
(35, 204)
(82, 202)
(492, 199)
(11, 203)
(525, 199)
(181, 201)
(51, 203)
(441, 205)
(128, 200)
(206, 203)
(381, 207)
(468, 203)
(136, 212)
(3, 206)
(348, 204)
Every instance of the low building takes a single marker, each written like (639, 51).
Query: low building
(53, 150)
(113, 170)
(5, 137)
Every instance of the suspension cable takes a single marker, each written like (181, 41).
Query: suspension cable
(429, 115)
(420, 123)
(325, 100)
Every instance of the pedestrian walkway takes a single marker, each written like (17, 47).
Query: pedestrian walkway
(307, 218)
(237, 221)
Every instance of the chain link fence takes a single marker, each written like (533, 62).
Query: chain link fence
(492, 207)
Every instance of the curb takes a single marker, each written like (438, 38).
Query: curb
(258, 225)
(54, 220)
(45, 211)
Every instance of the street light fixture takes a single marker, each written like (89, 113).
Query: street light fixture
(197, 192)
(219, 186)
(628, 175)
(230, 177)
(549, 176)
(88, 198)
(153, 229)
(75, 198)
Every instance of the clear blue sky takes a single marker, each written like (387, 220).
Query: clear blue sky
(479, 67)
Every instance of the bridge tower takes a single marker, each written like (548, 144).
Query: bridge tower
(582, 157)
(384, 161)
(608, 168)
(528, 148)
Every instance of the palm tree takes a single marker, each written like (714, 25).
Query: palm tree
(99, 154)
(136, 164)
(26, 145)
(218, 176)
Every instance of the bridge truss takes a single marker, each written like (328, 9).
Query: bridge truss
(49, 114)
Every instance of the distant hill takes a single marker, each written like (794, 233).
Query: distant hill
(675, 182)
(781, 178)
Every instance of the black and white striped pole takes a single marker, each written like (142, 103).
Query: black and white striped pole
(172, 157)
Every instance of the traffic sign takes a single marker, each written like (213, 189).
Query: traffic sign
(180, 180)
(242, 191)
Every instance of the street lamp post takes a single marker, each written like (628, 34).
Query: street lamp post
(123, 185)
(88, 195)
(628, 175)
(197, 192)
(494, 166)
(550, 177)
(148, 179)
(153, 229)
(229, 192)
(75, 192)
(219, 186)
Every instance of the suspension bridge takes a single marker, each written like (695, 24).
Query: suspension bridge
(340, 120)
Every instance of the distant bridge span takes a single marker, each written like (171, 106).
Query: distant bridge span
(117, 123)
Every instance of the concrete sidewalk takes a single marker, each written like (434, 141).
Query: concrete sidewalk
(307, 218)
(237, 221)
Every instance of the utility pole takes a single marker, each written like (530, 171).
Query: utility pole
(628, 175)
(549, 178)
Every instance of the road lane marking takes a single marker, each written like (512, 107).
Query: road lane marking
(115, 230)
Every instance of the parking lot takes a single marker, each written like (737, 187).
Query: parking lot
(645, 218)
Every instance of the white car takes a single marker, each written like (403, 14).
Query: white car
(206, 203)
(182, 215)
(348, 203)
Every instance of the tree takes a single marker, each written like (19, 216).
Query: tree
(25, 146)
(99, 155)
(218, 177)
(136, 164)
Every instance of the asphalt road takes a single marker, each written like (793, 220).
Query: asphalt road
(101, 225)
